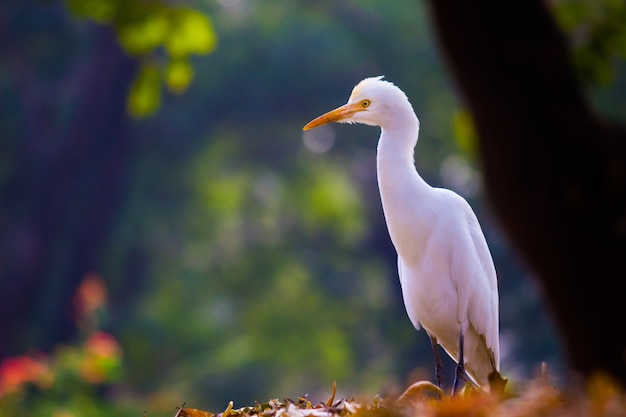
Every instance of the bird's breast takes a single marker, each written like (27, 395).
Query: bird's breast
(409, 221)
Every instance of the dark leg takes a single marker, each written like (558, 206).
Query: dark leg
(438, 365)
(459, 378)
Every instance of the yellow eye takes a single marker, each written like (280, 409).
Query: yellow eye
(365, 103)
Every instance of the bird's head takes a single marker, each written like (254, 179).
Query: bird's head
(373, 102)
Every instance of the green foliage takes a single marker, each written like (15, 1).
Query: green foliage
(328, 199)
(145, 93)
(162, 35)
(178, 75)
(465, 132)
(597, 34)
(101, 11)
(253, 280)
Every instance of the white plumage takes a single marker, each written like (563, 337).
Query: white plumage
(446, 271)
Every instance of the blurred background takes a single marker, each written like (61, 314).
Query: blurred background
(167, 231)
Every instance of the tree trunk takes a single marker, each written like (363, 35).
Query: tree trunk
(69, 153)
(555, 174)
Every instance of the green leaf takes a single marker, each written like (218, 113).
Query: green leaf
(332, 201)
(597, 35)
(143, 36)
(465, 132)
(191, 32)
(144, 97)
(101, 11)
(178, 75)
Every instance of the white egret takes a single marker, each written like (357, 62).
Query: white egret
(446, 271)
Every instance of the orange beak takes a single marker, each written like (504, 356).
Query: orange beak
(340, 113)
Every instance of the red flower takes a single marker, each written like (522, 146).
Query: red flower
(103, 345)
(101, 360)
(19, 370)
(90, 296)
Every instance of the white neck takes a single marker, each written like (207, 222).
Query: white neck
(402, 190)
(395, 163)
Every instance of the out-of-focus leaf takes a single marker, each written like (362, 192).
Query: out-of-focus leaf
(178, 75)
(144, 97)
(153, 28)
(191, 32)
(101, 11)
(464, 132)
(597, 34)
(143, 36)
(225, 195)
(333, 202)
